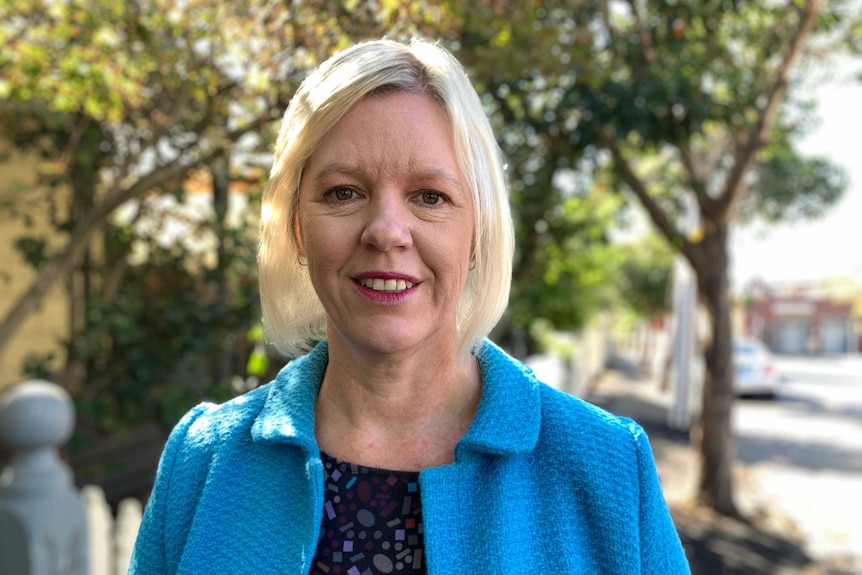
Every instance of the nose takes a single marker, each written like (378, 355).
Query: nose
(387, 226)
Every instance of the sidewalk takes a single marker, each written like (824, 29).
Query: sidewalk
(714, 544)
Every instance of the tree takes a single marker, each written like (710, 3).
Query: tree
(160, 344)
(645, 279)
(678, 99)
(721, 113)
(124, 99)
(520, 55)
(128, 105)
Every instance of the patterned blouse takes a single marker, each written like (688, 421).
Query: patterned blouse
(372, 521)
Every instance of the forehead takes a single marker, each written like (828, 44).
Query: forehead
(393, 132)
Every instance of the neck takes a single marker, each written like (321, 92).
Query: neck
(396, 411)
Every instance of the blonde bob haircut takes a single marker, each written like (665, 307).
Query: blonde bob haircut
(293, 316)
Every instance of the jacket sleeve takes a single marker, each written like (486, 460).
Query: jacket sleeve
(660, 547)
(150, 554)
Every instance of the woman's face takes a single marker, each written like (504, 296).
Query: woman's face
(385, 221)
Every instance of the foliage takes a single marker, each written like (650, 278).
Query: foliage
(593, 101)
(147, 352)
(645, 277)
(148, 348)
(845, 289)
(788, 187)
(519, 57)
(692, 75)
(679, 99)
(711, 84)
(123, 101)
(566, 263)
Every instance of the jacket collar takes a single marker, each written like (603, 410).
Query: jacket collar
(507, 420)
(509, 416)
(288, 410)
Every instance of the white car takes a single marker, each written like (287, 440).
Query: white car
(754, 370)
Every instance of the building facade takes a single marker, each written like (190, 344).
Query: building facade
(42, 332)
(800, 320)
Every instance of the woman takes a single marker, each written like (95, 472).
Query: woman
(400, 441)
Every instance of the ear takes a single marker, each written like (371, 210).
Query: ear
(297, 234)
(473, 251)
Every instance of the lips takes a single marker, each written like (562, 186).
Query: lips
(386, 285)
(386, 282)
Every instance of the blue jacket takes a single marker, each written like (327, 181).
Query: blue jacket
(542, 483)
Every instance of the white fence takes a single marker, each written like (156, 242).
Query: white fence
(46, 526)
(110, 540)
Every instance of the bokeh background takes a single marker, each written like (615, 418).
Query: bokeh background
(654, 149)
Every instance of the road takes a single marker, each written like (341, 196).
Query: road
(804, 452)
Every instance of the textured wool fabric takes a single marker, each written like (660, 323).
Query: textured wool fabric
(542, 483)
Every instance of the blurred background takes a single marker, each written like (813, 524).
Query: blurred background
(686, 186)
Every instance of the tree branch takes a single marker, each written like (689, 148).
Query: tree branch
(697, 181)
(606, 18)
(656, 213)
(649, 56)
(65, 261)
(746, 155)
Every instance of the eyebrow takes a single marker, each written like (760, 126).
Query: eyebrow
(337, 170)
(430, 175)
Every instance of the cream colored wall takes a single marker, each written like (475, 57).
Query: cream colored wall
(41, 331)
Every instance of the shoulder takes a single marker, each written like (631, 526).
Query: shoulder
(209, 427)
(214, 422)
(559, 421)
(560, 413)
(574, 430)
(566, 414)
(279, 411)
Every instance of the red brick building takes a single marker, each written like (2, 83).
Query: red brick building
(799, 321)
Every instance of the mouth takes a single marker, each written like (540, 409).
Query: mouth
(386, 285)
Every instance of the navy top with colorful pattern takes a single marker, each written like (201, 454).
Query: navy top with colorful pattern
(372, 521)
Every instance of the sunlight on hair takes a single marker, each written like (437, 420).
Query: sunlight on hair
(266, 212)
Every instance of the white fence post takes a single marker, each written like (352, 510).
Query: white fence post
(111, 541)
(101, 523)
(43, 528)
(128, 521)
(46, 526)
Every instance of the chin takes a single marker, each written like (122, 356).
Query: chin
(391, 344)
(382, 339)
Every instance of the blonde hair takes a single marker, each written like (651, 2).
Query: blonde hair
(293, 316)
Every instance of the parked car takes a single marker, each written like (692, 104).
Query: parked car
(754, 369)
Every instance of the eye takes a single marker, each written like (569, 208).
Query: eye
(431, 198)
(342, 194)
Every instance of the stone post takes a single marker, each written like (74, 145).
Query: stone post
(43, 528)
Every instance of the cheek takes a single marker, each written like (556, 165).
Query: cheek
(454, 252)
(328, 240)
(467, 242)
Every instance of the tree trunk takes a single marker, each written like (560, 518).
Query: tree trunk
(718, 449)
(221, 367)
(83, 171)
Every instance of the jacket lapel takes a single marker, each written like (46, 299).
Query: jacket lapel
(509, 416)
(267, 487)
